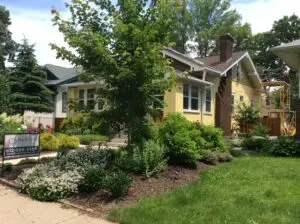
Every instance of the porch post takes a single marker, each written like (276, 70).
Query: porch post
(298, 111)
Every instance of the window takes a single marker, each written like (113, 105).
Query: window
(64, 102)
(81, 99)
(90, 99)
(232, 104)
(191, 97)
(241, 99)
(208, 100)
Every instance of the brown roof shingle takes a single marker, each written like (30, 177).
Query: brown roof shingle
(214, 61)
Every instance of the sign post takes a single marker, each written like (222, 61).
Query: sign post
(20, 146)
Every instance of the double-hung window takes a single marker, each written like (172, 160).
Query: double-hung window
(90, 102)
(81, 99)
(208, 99)
(191, 97)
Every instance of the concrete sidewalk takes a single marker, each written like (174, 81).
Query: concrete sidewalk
(18, 209)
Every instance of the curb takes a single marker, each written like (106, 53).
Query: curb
(9, 183)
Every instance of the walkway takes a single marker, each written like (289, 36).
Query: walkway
(19, 209)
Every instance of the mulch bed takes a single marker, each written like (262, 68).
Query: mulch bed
(172, 177)
(17, 170)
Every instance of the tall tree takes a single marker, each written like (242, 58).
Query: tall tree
(7, 45)
(123, 51)
(27, 83)
(211, 19)
(4, 93)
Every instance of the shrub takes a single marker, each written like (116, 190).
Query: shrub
(224, 157)
(213, 136)
(238, 153)
(10, 124)
(149, 158)
(283, 146)
(260, 130)
(118, 183)
(73, 123)
(49, 142)
(69, 142)
(255, 143)
(93, 180)
(88, 139)
(45, 182)
(209, 157)
(177, 137)
(8, 167)
(247, 115)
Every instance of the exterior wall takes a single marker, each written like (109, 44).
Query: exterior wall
(58, 112)
(244, 87)
(35, 119)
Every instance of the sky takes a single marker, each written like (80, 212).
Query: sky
(32, 19)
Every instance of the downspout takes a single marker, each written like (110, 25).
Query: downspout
(202, 98)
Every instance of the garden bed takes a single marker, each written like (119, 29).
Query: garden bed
(172, 177)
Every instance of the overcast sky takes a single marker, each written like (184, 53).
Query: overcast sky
(32, 18)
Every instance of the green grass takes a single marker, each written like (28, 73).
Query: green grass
(88, 139)
(247, 191)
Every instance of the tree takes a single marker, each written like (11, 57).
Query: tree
(213, 18)
(123, 52)
(27, 83)
(4, 93)
(7, 45)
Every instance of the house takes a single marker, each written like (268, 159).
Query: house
(290, 53)
(214, 86)
(57, 76)
(207, 90)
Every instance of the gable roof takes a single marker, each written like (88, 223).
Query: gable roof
(61, 73)
(214, 61)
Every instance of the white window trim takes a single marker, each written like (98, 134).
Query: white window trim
(211, 101)
(86, 99)
(189, 110)
(233, 105)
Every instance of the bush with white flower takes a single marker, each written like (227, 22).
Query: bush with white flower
(45, 182)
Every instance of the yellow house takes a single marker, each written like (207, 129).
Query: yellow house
(214, 85)
(207, 90)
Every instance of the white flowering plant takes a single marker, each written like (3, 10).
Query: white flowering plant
(45, 182)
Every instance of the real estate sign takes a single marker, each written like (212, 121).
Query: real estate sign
(21, 146)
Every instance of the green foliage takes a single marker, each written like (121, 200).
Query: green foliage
(238, 153)
(283, 146)
(28, 83)
(49, 142)
(8, 167)
(69, 142)
(177, 135)
(118, 183)
(93, 180)
(4, 93)
(7, 45)
(149, 158)
(213, 137)
(209, 157)
(88, 139)
(123, 51)
(74, 123)
(247, 115)
(10, 124)
(256, 143)
(260, 130)
(224, 157)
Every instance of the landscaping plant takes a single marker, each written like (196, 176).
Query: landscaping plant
(283, 146)
(69, 142)
(49, 142)
(149, 158)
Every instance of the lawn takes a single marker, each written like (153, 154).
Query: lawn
(249, 190)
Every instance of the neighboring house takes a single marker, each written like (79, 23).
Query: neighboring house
(57, 76)
(214, 85)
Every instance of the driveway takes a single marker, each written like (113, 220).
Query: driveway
(19, 209)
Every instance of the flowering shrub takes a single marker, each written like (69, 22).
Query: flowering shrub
(49, 142)
(69, 142)
(10, 124)
(45, 182)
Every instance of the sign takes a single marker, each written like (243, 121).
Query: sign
(21, 146)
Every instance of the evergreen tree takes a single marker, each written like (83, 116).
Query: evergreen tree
(4, 93)
(27, 83)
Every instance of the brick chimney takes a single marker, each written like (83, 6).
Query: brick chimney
(226, 47)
